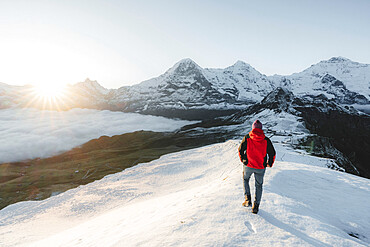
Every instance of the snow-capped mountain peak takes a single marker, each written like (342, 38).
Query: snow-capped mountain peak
(336, 66)
(91, 86)
(242, 67)
(241, 81)
(89, 83)
(338, 59)
(241, 64)
(352, 77)
(186, 61)
(184, 66)
(339, 64)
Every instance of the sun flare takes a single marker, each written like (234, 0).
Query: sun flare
(49, 91)
(49, 97)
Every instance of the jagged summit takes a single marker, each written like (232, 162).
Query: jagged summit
(242, 66)
(278, 100)
(278, 97)
(186, 61)
(338, 60)
(87, 81)
(184, 66)
(240, 63)
(92, 86)
(334, 61)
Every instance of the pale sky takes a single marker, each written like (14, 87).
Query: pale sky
(122, 43)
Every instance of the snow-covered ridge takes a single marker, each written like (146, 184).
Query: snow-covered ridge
(193, 198)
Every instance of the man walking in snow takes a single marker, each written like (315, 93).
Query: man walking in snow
(253, 152)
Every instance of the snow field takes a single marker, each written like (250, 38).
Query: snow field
(193, 198)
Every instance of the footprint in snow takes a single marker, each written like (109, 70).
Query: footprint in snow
(250, 227)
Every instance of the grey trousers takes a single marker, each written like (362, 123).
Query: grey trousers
(258, 177)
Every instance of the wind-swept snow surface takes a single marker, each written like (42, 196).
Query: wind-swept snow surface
(193, 198)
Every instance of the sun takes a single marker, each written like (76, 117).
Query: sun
(49, 97)
(49, 91)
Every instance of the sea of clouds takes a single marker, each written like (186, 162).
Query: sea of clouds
(31, 133)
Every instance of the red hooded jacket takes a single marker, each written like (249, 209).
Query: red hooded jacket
(255, 148)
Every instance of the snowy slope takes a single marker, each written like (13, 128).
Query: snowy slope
(193, 198)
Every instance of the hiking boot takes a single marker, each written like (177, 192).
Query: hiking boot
(247, 202)
(255, 208)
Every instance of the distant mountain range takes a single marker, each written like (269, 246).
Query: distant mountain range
(205, 93)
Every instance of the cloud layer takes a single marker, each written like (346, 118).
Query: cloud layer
(31, 133)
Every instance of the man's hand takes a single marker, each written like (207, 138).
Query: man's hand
(268, 165)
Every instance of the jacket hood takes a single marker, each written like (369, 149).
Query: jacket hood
(257, 134)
